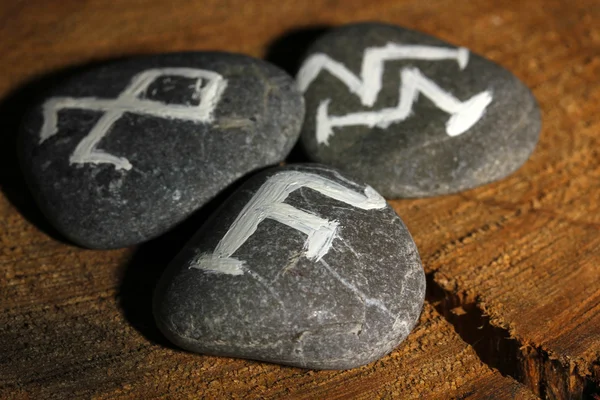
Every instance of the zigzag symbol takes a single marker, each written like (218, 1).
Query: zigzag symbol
(463, 114)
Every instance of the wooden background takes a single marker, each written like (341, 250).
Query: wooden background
(513, 268)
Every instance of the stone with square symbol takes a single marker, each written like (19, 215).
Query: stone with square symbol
(120, 153)
(412, 115)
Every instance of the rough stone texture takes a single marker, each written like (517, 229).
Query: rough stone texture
(351, 307)
(415, 157)
(176, 165)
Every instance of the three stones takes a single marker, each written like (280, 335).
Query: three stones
(303, 265)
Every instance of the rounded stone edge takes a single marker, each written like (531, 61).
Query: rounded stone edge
(534, 128)
(37, 101)
(169, 331)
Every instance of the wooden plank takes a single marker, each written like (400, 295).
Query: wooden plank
(518, 258)
(85, 348)
(521, 256)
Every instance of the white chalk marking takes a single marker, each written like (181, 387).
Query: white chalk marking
(367, 87)
(129, 101)
(268, 202)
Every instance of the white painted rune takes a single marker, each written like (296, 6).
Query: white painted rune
(463, 114)
(130, 100)
(268, 202)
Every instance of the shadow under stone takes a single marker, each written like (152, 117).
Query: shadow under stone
(142, 273)
(13, 109)
(287, 52)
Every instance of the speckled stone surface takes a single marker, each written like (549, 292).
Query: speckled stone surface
(181, 128)
(328, 277)
(465, 121)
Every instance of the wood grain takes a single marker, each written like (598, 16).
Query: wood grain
(86, 349)
(523, 254)
(513, 265)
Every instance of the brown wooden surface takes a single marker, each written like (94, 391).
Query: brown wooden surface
(514, 265)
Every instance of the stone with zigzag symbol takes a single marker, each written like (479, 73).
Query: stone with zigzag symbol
(412, 115)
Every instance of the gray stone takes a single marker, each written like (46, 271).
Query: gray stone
(122, 153)
(471, 122)
(301, 266)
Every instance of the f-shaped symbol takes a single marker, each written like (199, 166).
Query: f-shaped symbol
(268, 202)
(129, 101)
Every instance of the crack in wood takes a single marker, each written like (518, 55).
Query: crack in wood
(540, 370)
